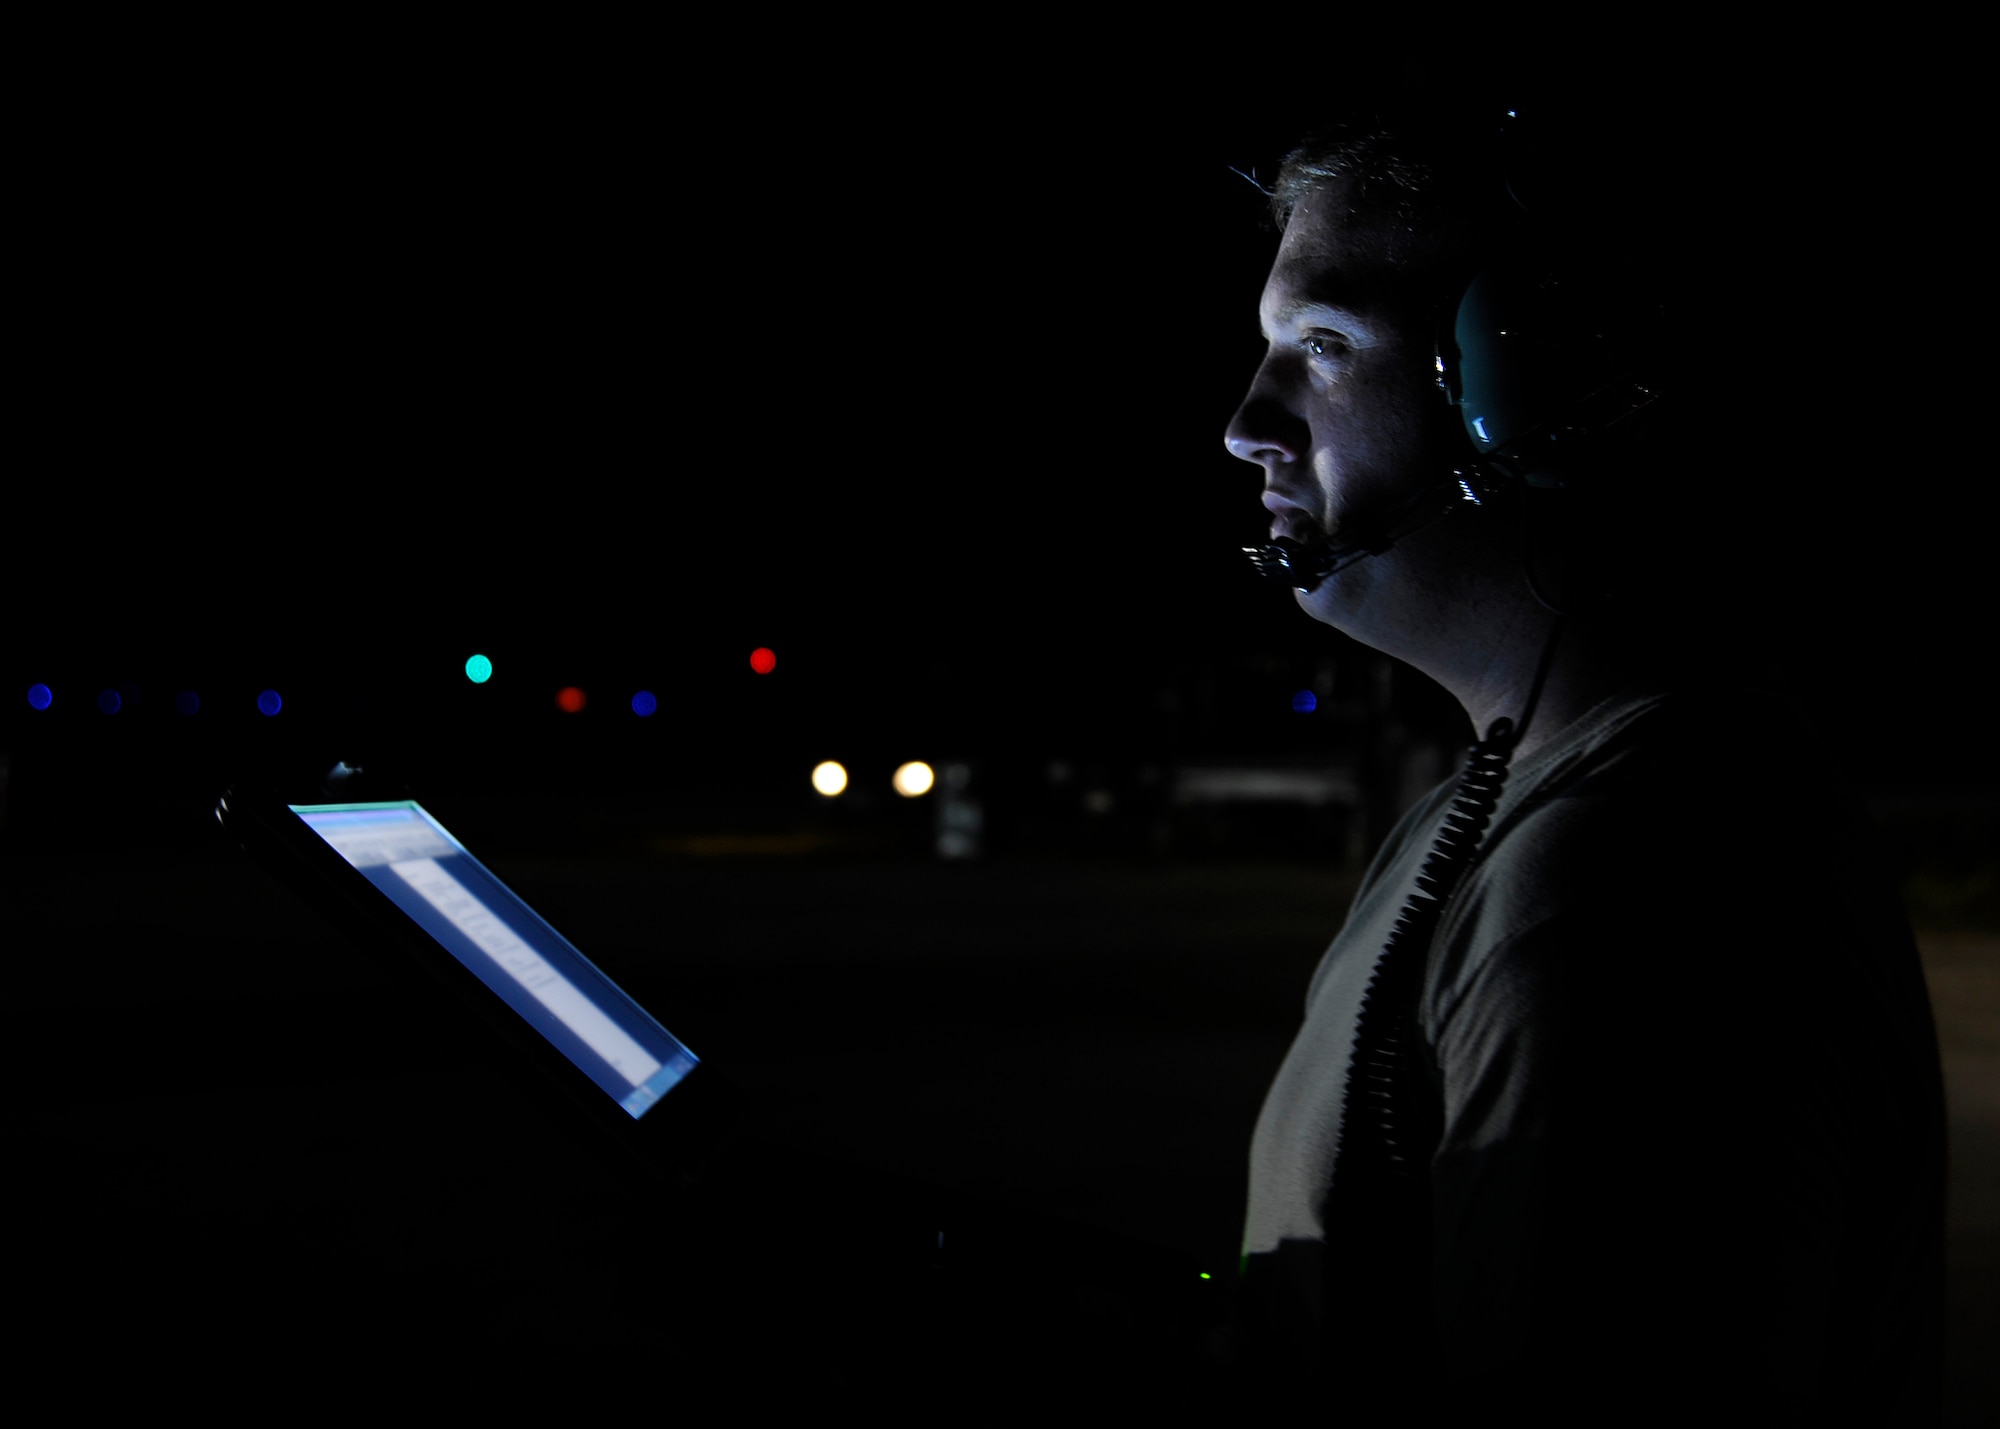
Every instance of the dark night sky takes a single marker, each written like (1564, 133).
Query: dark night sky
(340, 372)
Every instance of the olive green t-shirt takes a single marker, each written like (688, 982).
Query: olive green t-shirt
(1692, 1116)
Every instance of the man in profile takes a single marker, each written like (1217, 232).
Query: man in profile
(1616, 1099)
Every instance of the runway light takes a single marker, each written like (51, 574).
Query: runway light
(829, 778)
(570, 700)
(269, 703)
(479, 669)
(1305, 702)
(187, 702)
(763, 660)
(108, 701)
(913, 779)
(40, 696)
(644, 704)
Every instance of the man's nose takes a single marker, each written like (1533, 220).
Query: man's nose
(1264, 431)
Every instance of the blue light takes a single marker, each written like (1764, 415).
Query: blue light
(479, 669)
(187, 702)
(644, 704)
(1305, 702)
(108, 701)
(40, 696)
(269, 703)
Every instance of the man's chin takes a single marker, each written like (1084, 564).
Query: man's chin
(1322, 602)
(1336, 601)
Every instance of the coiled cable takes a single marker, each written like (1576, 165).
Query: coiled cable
(1390, 1119)
(1383, 1125)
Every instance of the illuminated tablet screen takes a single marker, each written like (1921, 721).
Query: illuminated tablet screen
(408, 855)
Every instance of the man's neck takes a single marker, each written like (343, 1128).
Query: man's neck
(1548, 671)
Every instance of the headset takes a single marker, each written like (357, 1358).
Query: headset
(1544, 368)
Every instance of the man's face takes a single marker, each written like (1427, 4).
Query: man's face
(1345, 416)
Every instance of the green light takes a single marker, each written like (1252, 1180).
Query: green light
(479, 669)
(1206, 1276)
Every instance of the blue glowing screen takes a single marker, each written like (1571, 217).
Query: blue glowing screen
(531, 967)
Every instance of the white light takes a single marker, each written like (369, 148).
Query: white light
(913, 779)
(829, 778)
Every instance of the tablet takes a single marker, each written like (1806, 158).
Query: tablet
(504, 943)
(403, 886)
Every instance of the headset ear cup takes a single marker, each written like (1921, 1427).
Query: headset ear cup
(1486, 402)
(1537, 367)
(1450, 362)
(1547, 347)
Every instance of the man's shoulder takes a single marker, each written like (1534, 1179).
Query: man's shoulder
(1635, 775)
(1676, 819)
(1681, 774)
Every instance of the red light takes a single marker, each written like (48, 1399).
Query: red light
(763, 661)
(569, 699)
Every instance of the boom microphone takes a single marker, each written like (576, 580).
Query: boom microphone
(1304, 565)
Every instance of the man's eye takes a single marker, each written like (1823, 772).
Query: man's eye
(1325, 344)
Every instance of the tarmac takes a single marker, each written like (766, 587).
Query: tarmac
(237, 1132)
